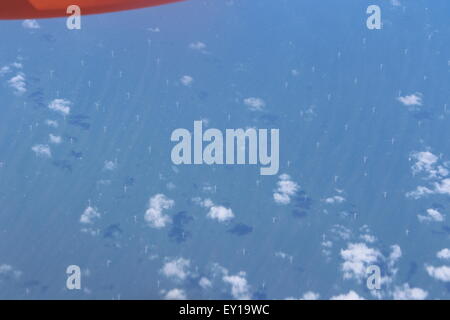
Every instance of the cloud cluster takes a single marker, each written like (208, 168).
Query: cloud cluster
(61, 106)
(55, 139)
(286, 188)
(434, 172)
(255, 104)
(8, 270)
(177, 269)
(175, 294)
(155, 213)
(441, 273)
(357, 257)
(444, 254)
(89, 215)
(351, 295)
(18, 83)
(432, 215)
(42, 150)
(219, 213)
(405, 292)
(240, 288)
(334, 199)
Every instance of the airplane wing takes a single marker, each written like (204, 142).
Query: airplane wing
(35, 9)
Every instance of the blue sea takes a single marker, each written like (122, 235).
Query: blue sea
(87, 179)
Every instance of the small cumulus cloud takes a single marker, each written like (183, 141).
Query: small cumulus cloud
(7, 270)
(411, 100)
(42, 150)
(30, 24)
(177, 269)
(432, 215)
(220, 213)
(357, 257)
(286, 188)
(334, 199)
(240, 288)
(205, 283)
(255, 104)
(439, 273)
(306, 296)
(52, 123)
(175, 294)
(444, 254)
(18, 83)
(60, 105)
(351, 295)
(89, 215)
(110, 165)
(216, 212)
(55, 139)
(155, 213)
(405, 292)
(433, 171)
(187, 80)
(198, 46)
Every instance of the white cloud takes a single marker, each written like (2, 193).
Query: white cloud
(341, 231)
(286, 189)
(368, 238)
(425, 162)
(240, 289)
(351, 295)
(396, 254)
(89, 215)
(110, 165)
(187, 80)
(207, 203)
(177, 268)
(432, 215)
(357, 257)
(154, 214)
(42, 150)
(30, 24)
(335, 199)
(8, 270)
(411, 100)
(306, 296)
(55, 139)
(310, 296)
(442, 187)
(197, 46)
(215, 212)
(443, 254)
(175, 294)
(60, 105)
(205, 283)
(4, 70)
(52, 123)
(428, 163)
(255, 104)
(405, 292)
(439, 273)
(220, 213)
(18, 83)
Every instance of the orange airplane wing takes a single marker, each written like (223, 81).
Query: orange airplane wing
(35, 9)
